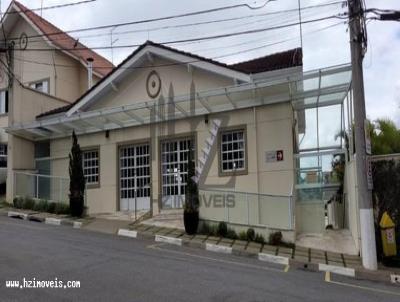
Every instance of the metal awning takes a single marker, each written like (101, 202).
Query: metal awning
(308, 90)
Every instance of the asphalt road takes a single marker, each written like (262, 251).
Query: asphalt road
(112, 268)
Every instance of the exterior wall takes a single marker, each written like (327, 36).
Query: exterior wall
(133, 88)
(261, 177)
(21, 151)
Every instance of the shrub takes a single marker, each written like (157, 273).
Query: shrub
(251, 234)
(260, 239)
(28, 203)
(61, 209)
(243, 235)
(41, 206)
(275, 238)
(231, 234)
(51, 208)
(18, 202)
(222, 229)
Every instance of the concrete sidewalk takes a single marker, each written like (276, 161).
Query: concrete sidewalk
(298, 257)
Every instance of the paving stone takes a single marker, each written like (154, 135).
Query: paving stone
(301, 258)
(336, 263)
(239, 247)
(334, 257)
(269, 249)
(186, 237)
(285, 251)
(240, 242)
(202, 237)
(227, 241)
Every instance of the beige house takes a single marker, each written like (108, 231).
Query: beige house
(43, 79)
(256, 164)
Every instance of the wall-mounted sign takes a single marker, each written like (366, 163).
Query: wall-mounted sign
(274, 156)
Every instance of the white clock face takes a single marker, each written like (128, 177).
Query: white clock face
(23, 41)
(153, 84)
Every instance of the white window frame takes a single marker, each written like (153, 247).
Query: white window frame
(91, 166)
(233, 150)
(45, 85)
(3, 153)
(3, 102)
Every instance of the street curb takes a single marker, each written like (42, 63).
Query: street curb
(127, 233)
(52, 221)
(47, 220)
(344, 271)
(218, 248)
(169, 240)
(273, 259)
(19, 215)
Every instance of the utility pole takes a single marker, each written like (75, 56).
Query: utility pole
(368, 246)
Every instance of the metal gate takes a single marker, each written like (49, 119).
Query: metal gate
(134, 177)
(174, 168)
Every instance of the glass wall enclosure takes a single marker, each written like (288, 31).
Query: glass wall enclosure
(323, 147)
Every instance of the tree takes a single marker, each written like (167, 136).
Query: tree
(191, 207)
(77, 179)
(385, 137)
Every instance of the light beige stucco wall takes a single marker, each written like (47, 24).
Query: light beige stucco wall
(104, 198)
(133, 88)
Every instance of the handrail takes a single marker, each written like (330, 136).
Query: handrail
(249, 193)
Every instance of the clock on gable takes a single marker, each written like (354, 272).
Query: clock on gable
(23, 41)
(153, 84)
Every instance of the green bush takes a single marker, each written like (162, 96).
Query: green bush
(231, 234)
(41, 206)
(28, 203)
(275, 238)
(251, 234)
(61, 209)
(51, 207)
(243, 236)
(260, 239)
(222, 229)
(18, 202)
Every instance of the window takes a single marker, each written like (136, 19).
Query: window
(233, 151)
(42, 86)
(3, 155)
(3, 102)
(90, 160)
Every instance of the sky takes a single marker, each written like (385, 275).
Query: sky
(325, 43)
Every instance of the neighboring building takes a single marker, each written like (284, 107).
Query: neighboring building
(49, 78)
(245, 124)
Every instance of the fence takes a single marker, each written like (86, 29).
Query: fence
(251, 209)
(38, 186)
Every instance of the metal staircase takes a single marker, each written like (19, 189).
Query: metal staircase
(206, 150)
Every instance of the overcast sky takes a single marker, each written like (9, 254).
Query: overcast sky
(325, 43)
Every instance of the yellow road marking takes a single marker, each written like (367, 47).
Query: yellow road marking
(215, 259)
(287, 267)
(328, 276)
(382, 291)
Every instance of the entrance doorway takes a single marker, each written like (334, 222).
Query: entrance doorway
(134, 163)
(174, 170)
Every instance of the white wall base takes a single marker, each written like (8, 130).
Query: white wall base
(368, 245)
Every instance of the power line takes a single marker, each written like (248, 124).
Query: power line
(193, 61)
(205, 38)
(165, 18)
(49, 7)
(194, 23)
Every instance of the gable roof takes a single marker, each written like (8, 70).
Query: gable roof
(60, 39)
(280, 60)
(287, 59)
